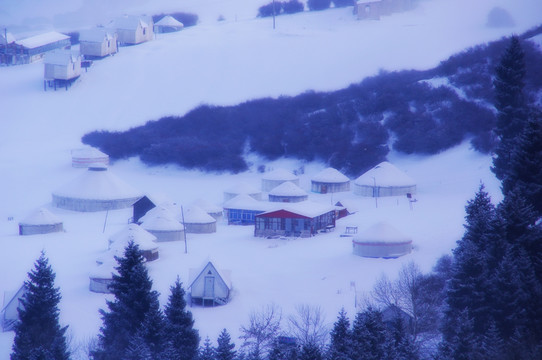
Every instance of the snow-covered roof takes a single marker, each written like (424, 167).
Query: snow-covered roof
(104, 270)
(385, 174)
(169, 20)
(41, 216)
(193, 274)
(130, 22)
(350, 204)
(209, 207)
(97, 183)
(242, 188)
(162, 223)
(88, 152)
(196, 215)
(288, 188)
(61, 57)
(246, 202)
(9, 36)
(165, 209)
(360, 2)
(330, 175)
(308, 209)
(381, 232)
(279, 174)
(42, 39)
(96, 35)
(133, 232)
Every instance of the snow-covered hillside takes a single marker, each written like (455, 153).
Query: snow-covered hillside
(225, 63)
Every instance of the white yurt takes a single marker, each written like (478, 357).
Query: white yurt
(97, 189)
(330, 180)
(381, 240)
(288, 192)
(165, 228)
(164, 210)
(41, 221)
(102, 276)
(197, 221)
(210, 208)
(240, 189)
(135, 233)
(168, 24)
(85, 157)
(384, 180)
(276, 177)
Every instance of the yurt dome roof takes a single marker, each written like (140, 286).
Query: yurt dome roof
(207, 206)
(196, 215)
(381, 233)
(133, 232)
(246, 202)
(169, 20)
(288, 189)
(162, 223)
(385, 174)
(105, 270)
(279, 174)
(166, 210)
(41, 216)
(97, 183)
(330, 175)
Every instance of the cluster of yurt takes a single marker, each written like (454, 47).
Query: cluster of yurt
(197, 221)
(384, 180)
(97, 189)
(41, 221)
(242, 188)
(88, 156)
(276, 177)
(381, 241)
(288, 192)
(330, 180)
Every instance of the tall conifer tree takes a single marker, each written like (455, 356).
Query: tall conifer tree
(38, 335)
(341, 338)
(224, 349)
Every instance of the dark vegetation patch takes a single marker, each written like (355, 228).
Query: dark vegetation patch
(349, 129)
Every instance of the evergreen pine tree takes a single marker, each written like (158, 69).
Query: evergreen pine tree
(369, 336)
(183, 337)
(206, 351)
(402, 346)
(341, 338)
(152, 331)
(38, 335)
(133, 300)
(310, 351)
(510, 104)
(525, 174)
(224, 349)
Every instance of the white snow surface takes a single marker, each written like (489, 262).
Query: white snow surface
(224, 63)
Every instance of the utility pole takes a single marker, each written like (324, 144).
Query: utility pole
(184, 232)
(273, 14)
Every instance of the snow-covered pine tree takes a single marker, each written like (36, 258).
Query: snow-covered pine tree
(510, 104)
(310, 351)
(133, 300)
(369, 336)
(38, 335)
(224, 349)
(184, 339)
(206, 351)
(525, 174)
(153, 331)
(341, 338)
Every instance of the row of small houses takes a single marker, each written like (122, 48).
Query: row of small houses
(62, 65)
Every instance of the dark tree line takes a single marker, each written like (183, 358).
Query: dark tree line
(349, 129)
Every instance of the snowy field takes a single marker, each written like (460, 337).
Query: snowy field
(220, 63)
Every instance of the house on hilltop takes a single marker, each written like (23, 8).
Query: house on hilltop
(61, 68)
(168, 24)
(98, 42)
(34, 48)
(209, 286)
(132, 30)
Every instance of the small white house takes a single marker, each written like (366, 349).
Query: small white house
(384, 180)
(41, 221)
(209, 286)
(369, 9)
(62, 65)
(381, 240)
(133, 30)
(98, 42)
(288, 192)
(276, 177)
(330, 180)
(10, 313)
(168, 24)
